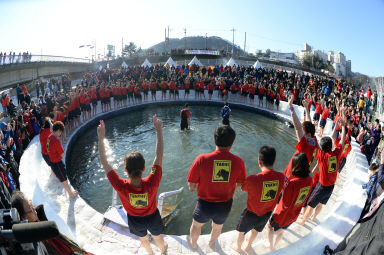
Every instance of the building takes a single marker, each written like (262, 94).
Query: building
(340, 64)
(284, 57)
(349, 68)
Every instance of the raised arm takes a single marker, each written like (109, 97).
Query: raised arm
(343, 122)
(306, 109)
(159, 141)
(295, 120)
(103, 158)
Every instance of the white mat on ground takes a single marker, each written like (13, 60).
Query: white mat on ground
(117, 215)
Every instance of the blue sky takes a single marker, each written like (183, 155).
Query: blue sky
(57, 27)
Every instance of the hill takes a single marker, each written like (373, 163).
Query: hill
(198, 42)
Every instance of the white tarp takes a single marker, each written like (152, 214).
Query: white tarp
(258, 65)
(195, 61)
(146, 63)
(170, 62)
(231, 62)
(124, 64)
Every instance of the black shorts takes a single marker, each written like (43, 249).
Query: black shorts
(323, 122)
(249, 220)
(153, 92)
(176, 92)
(276, 225)
(94, 102)
(217, 212)
(59, 170)
(316, 117)
(116, 98)
(130, 94)
(244, 93)
(145, 92)
(186, 91)
(46, 159)
(234, 92)
(171, 91)
(65, 120)
(261, 97)
(82, 107)
(251, 96)
(277, 102)
(87, 107)
(77, 112)
(184, 125)
(210, 92)
(320, 194)
(140, 225)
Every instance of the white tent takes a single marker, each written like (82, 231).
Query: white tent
(124, 64)
(146, 63)
(258, 65)
(195, 61)
(231, 62)
(170, 62)
(100, 68)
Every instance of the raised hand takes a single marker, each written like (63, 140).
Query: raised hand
(157, 123)
(305, 103)
(101, 130)
(290, 101)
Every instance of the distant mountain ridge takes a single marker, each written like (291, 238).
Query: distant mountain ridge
(198, 42)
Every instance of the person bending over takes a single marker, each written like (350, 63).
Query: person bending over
(137, 194)
(185, 117)
(215, 175)
(55, 153)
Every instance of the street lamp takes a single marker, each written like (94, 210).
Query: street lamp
(90, 47)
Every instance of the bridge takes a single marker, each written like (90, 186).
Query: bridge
(20, 69)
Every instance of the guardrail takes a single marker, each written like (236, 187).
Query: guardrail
(20, 59)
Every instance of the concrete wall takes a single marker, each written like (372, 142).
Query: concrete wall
(12, 75)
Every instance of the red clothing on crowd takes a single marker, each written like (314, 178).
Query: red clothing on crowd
(325, 114)
(217, 174)
(318, 109)
(164, 85)
(294, 197)
(234, 87)
(153, 85)
(328, 165)
(261, 90)
(172, 85)
(263, 191)
(145, 86)
(55, 149)
(211, 86)
(245, 88)
(138, 201)
(187, 85)
(252, 90)
(304, 147)
(44, 134)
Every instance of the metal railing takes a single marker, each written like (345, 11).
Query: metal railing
(20, 59)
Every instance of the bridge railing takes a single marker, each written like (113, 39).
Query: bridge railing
(19, 59)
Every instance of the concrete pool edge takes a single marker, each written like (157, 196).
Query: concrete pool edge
(83, 226)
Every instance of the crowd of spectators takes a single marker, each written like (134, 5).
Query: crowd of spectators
(12, 57)
(330, 99)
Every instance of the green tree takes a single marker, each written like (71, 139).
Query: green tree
(259, 54)
(330, 67)
(267, 53)
(129, 49)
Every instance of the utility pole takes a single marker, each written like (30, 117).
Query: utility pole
(206, 41)
(245, 41)
(185, 38)
(168, 40)
(122, 46)
(233, 40)
(165, 39)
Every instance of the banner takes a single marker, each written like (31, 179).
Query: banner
(202, 52)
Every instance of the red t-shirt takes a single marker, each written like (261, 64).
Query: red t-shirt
(138, 201)
(245, 88)
(164, 85)
(234, 88)
(347, 147)
(186, 85)
(325, 114)
(318, 108)
(263, 191)
(309, 148)
(54, 149)
(217, 174)
(294, 197)
(328, 165)
(45, 133)
(211, 86)
(186, 112)
(261, 90)
(252, 90)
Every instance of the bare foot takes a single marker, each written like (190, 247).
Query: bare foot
(301, 223)
(248, 245)
(189, 241)
(165, 248)
(267, 245)
(210, 244)
(74, 194)
(236, 248)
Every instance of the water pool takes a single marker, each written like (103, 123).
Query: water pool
(134, 131)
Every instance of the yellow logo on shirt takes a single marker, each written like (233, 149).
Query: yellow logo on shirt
(332, 164)
(269, 191)
(221, 170)
(153, 170)
(345, 148)
(313, 156)
(303, 193)
(138, 200)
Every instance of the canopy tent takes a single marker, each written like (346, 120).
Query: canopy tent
(231, 62)
(195, 61)
(258, 65)
(170, 62)
(146, 63)
(124, 64)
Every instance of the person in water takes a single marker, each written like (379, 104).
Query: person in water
(185, 117)
(224, 113)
